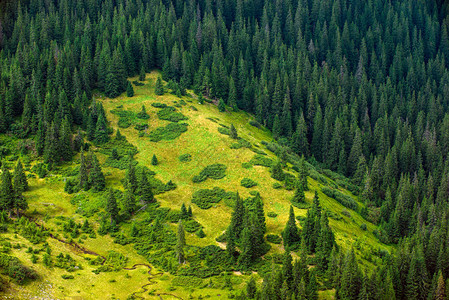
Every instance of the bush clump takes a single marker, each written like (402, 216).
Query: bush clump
(205, 198)
(169, 132)
(345, 200)
(185, 157)
(169, 113)
(215, 171)
(273, 238)
(272, 214)
(242, 143)
(260, 160)
(191, 225)
(248, 183)
(224, 130)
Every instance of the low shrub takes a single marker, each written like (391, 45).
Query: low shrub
(241, 144)
(345, 200)
(191, 226)
(224, 130)
(185, 157)
(260, 160)
(170, 114)
(169, 132)
(255, 124)
(215, 171)
(248, 183)
(272, 214)
(273, 238)
(159, 105)
(277, 185)
(205, 198)
(67, 276)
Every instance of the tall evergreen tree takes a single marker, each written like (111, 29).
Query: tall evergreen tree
(111, 206)
(290, 233)
(180, 243)
(19, 179)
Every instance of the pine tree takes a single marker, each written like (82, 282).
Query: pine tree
(233, 132)
(159, 89)
(154, 160)
(232, 98)
(142, 73)
(96, 177)
(237, 218)
(146, 193)
(130, 177)
(129, 90)
(101, 131)
(299, 196)
(7, 193)
(303, 173)
(83, 180)
(287, 269)
(20, 180)
(290, 233)
(51, 151)
(221, 106)
(180, 243)
(111, 206)
(184, 215)
(312, 287)
(277, 129)
(129, 203)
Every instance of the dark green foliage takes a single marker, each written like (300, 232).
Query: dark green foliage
(185, 157)
(248, 183)
(169, 132)
(111, 205)
(101, 131)
(129, 90)
(170, 114)
(273, 238)
(276, 171)
(343, 199)
(20, 181)
(96, 178)
(7, 192)
(233, 132)
(241, 144)
(251, 288)
(206, 198)
(215, 171)
(142, 74)
(144, 188)
(221, 106)
(299, 196)
(12, 267)
(159, 89)
(260, 160)
(142, 114)
(290, 233)
(180, 243)
(154, 160)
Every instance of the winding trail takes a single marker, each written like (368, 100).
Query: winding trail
(79, 248)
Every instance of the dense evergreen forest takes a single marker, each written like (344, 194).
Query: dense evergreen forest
(357, 87)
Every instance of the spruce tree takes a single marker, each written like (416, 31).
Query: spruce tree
(180, 243)
(111, 206)
(251, 288)
(276, 171)
(154, 160)
(233, 132)
(221, 106)
(184, 214)
(159, 89)
(130, 181)
(7, 193)
(237, 218)
(277, 128)
(129, 90)
(142, 73)
(299, 196)
(303, 173)
(96, 177)
(83, 179)
(101, 131)
(129, 203)
(19, 179)
(146, 193)
(290, 233)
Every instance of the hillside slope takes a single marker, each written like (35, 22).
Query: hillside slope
(50, 206)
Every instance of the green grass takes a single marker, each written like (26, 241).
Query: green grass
(186, 151)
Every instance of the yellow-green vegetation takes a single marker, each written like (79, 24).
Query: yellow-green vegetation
(196, 153)
(207, 143)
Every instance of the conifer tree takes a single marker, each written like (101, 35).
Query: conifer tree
(299, 196)
(251, 288)
(180, 243)
(101, 131)
(130, 176)
(52, 151)
(154, 160)
(303, 173)
(184, 214)
(96, 177)
(129, 203)
(233, 132)
(146, 193)
(277, 129)
(276, 171)
(237, 218)
(7, 193)
(111, 206)
(290, 233)
(221, 106)
(83, 179)
(129, 90)
(19, 179)
(232, 98)
(159, 89)
(142, 73)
